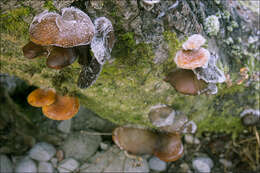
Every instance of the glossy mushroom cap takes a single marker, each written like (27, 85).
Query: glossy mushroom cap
(135, 141)
(161, 115)
(192, 59)
(70, 29)
(63, 108)
(41, 97)
(32, 50)
(194, 42)
(61, 57)
(169, 147)
(185, 82)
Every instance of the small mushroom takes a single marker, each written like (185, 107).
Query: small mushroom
(41, 97)
(250, 117)
(191, 59)
(61, 57)
(72, 28)
(185, 82)
(178, 124)
(194, 42)
(169, 147)
(64, 108)
(161, 115)
(32, 50)
(134, 140)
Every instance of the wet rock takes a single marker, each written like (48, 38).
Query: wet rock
(86, 119)
(65, 126)
(68, 165)
(5, 164)
(191, 140)
(45, 167)
(202, 164)
(80, 146)
(42, 151)
(25, 165)
(157, 165)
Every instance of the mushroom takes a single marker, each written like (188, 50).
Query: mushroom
(185, 82)
(250, 117)
(61, 57)
(41, 97)
(72, 28)
(169, 147)
(64, 108)
(191, 59)
(32, 50)
(148, 4)
(161, 115)
(134, 140)
(194, 42)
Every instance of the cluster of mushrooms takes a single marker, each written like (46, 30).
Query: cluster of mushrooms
(165, 144)
(54, 106)
(70, 35)
(197, 72)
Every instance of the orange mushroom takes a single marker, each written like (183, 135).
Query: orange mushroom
(61, 57)
(64, 108)
(185, 82)
(194, 42)
(32, 50)
(70, 29)
(41, 97)
(169, 147)
(191, 59)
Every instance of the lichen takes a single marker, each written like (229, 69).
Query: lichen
(212, 25)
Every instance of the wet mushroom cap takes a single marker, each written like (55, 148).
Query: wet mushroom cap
(169, 147)
(191, 59)
(70, 29)
(161, 115)
(194, 42)
(64, 108)
(61, 57)
(41, 97)
(185, 82)
(134, 140)
(32, 50)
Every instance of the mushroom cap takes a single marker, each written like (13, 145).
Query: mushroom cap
(169, 147)
(134, 140)
(61, 57)
(41, 97)
(185, 82)
(178, 125)
(32, 50)
(191, 59)
(194, 42)
(161, 115)
(70, 29)
(64, 108)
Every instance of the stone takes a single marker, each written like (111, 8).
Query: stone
(80, 146)
(104, 146)
(68, 165)
(26, 165)
(202, 164)
(5, 164)
(54, 162)
(65, 126)
(45, 167)
(157, 165)
(132, 165)
(190, 139)
(42, 151)
(226, 163)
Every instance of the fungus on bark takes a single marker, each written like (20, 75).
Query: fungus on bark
(41, 97)
(194, 42)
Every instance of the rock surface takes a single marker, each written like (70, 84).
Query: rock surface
(26, 165)
(42, 151)
(45, 167)
(5, 164)
(202, 164)
(65, 126)
(68, 165)
(157, 165)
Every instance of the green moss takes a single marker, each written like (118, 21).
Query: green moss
(49, 5)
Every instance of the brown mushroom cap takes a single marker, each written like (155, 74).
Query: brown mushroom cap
(192, 59)
(135, 141)
(161, 115)
(32, 50)
(61, 57)
(63, 108)
(41, 97)
(70, 29)
(169, 147)
(194, 42)
(185, 82)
